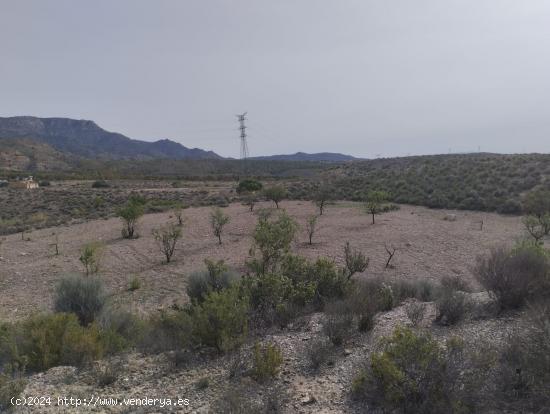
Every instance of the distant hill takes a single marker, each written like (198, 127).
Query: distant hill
(24, 154)
(302, 156)
(86, 139)
(477, 181)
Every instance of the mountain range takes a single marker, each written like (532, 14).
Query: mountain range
(28, 142)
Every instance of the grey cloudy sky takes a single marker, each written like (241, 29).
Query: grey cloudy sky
(388, 77)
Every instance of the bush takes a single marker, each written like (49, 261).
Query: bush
(121, 329)
(414, 374)
(135, 284)
(415, 312)
(451, 305)
(422, 290)
(338, 322)
(216, 278)
(90, 257)
(83, 296)
(355, 261)
(166, 331)
(318, 352)
(220, 321)
(47, 341)
(249, 185)
(266, 361)
(100, 184)
(10, 387)
(523, 373)
(455, 283)
(514, 276)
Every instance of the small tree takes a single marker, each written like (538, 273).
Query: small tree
(250, 200)
(167, 237)
(391, 252)
(130, 215)
(275, 193)
(356, 262)
(311, 226)
(249, 185)
(324, 195)
(537, 227)
(90, 257)
(218, 220)
(537, 203)
(272, 238)
(375, 202)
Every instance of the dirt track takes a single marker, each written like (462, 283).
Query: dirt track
(428, 247)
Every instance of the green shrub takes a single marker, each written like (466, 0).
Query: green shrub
(166, 331)
(220, 321)
(218, 220)
(166, 238)
(414, 374)
(514, 276)
(452, 306)
(415, 312)
(423, 290)
(46, 341)
(355, 261)
(455, 283)
(120, 328)
(130, 215)
(216, 278)
(203, 383)
(100, 184)
(276, 194)
(90, 257)
(249, 185)
(338, 322)
(266, 361)
(135, 284)
(272, 240)
(10, 387)
(523, 372)
(83, 296)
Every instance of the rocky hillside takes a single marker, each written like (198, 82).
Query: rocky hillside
(86, 139)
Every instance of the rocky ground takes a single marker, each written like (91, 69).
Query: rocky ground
(299, 388)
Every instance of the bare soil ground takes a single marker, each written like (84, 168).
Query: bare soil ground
(428, 247)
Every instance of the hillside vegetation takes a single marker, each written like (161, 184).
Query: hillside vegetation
(485, 182)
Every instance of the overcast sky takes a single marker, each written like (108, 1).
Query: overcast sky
(368, 78)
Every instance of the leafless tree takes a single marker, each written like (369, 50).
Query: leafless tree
(391, 252)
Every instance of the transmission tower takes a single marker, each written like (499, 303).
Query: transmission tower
(242, 127)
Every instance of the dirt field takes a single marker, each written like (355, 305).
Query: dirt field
(428, 247)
